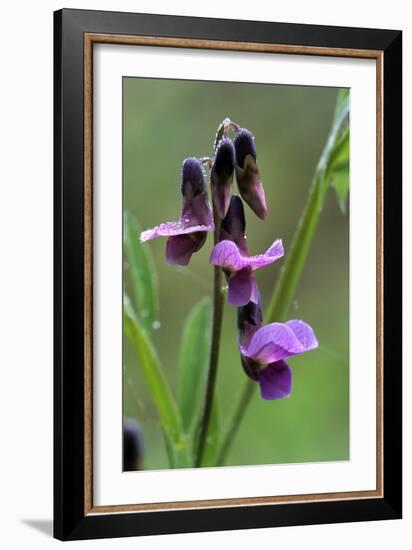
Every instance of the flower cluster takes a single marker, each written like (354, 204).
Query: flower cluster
(263, 348)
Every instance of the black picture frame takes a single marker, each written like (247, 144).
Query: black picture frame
(71, 521)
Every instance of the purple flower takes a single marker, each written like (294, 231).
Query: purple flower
(232, 255)
(221, 175)
(264, 350)
(247, 173)
(188, 234)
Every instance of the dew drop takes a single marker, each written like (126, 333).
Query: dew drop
(156, 325)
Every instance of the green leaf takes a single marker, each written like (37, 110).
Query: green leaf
(193, 363)
(142, 274)
(157, 386)
(213, 436)
(338, 169)
(342, 103)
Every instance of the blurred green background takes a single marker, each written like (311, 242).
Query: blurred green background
(166, 121)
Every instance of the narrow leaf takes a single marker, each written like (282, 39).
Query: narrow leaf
(142, 274)
(157, 385)
(193, 362)
(338, 170)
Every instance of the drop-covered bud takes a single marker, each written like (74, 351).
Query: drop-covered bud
(196, 208)
(193, 179)
(247, 173)
(132, 446)
(222, 175)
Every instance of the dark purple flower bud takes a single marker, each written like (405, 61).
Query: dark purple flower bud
(247, 173)
(188, 234)
(233, 225)
(249, 320)
(221, 175)
(132, 446)
(193, 179)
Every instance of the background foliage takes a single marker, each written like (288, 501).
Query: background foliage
(167, 121)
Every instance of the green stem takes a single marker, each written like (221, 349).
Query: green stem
(218, 302)
(290, 274)
(240, 409)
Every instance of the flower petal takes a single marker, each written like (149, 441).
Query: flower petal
(304, 333)
(275, 380)
(170, 229)
(196, 211)
(242, 288)
(179, 248)
(226, 254)
(275, 342)
(273, 253)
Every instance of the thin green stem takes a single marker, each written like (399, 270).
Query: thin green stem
(218, 303)
(240, 409)
(285, 290)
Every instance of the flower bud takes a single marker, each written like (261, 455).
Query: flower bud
(234, 224)
(193, 179)
(249, 320)
(247, 173)
(196, 209)
(132, 446)
(222, 175)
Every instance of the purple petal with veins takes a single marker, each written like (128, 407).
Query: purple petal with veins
(275, 380)
(170, 229)
(278, 341)
(228, 256)
(304, 333)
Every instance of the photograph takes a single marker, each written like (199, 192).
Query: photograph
(235, 274)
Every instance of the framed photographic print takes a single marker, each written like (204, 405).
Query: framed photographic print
(227, 274)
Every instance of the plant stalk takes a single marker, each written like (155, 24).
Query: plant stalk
(218, 303)
(240, 409)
